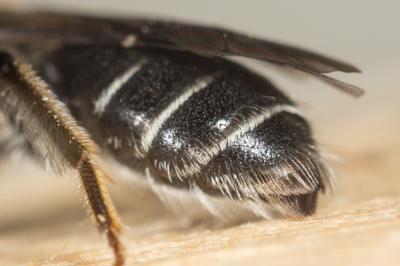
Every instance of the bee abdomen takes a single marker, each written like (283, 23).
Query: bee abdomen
(190, 121)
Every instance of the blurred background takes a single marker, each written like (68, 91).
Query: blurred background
(361, 136)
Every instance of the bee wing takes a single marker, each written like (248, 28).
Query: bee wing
(202, 40)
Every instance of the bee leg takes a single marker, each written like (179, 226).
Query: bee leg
(47, 125)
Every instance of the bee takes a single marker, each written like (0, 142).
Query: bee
(164, 100)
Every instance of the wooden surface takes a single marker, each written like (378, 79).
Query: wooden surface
(42, 221)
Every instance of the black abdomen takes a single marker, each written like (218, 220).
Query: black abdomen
(192, 122)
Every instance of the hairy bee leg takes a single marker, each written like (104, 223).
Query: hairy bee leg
(101, 205)
(47, 125)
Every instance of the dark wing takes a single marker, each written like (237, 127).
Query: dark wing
(205, 41)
